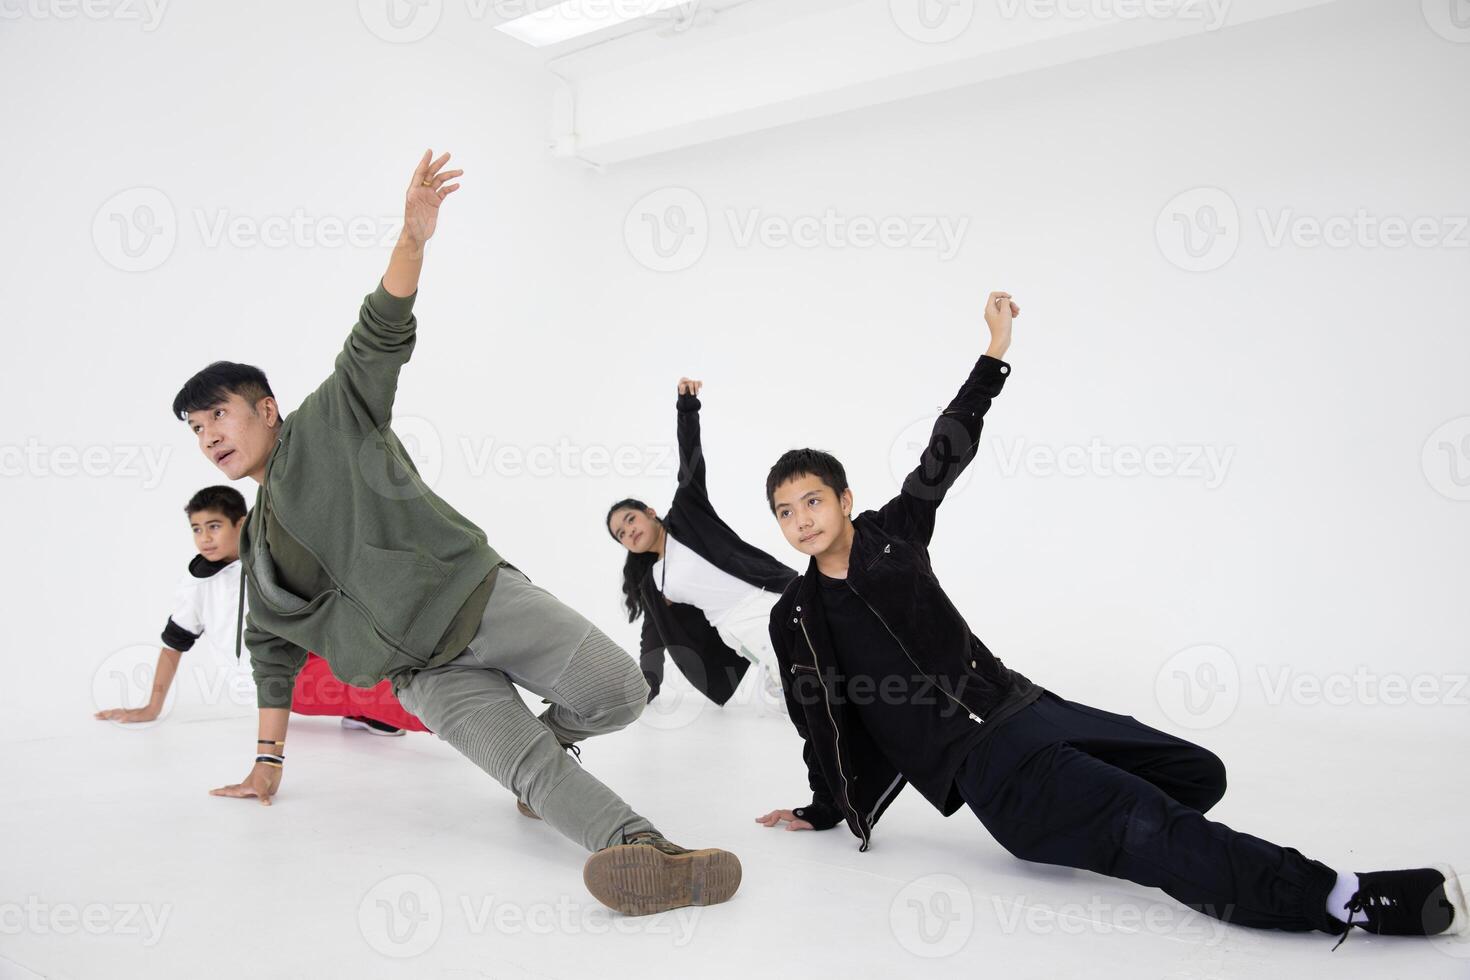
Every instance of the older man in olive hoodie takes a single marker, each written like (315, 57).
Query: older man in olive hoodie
(347, 552)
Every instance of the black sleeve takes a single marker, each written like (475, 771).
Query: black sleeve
(952, 445)
(175, 637)
(651, 659)
(822, 816)
(691, 452)
(823, 804)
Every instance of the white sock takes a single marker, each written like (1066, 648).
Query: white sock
(1346, 887)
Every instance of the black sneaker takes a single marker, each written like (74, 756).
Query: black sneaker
(650, 874)
(1415, 902)
(370, 725)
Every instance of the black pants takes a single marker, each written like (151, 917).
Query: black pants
(1063, 783)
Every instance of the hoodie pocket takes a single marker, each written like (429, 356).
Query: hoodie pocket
(395, 586)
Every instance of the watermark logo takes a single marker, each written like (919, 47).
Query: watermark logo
(129, 919)
(36, 460)
(932, 21)
(299, 229)
(670, 229)
(1202, 229)
(148, 13)
(933, 916)
(1199, 230)
(908, 451)
(667, 230)
(401, 916)
(1363, 687)
(943, 235)
(388, 472)
(135, 230)
(568, 459)
(1208, 465)
(1450, 19)
(1198, 687)
(1211, 15)
(400, 21)
(1446, 459)
(1102, 916)
(1363, 229)
(125, 677)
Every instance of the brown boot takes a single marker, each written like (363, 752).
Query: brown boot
(649, 874)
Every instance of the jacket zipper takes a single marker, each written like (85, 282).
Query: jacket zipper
(836, 739)
(973, 717)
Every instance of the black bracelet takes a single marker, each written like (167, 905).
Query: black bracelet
(272, 760)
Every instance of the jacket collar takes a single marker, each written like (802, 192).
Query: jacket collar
(806, 589)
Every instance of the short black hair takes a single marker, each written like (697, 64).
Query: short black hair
(217, 383)
(226, 500)
(805, 462)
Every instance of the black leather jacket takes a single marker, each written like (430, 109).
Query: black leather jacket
(889, 569)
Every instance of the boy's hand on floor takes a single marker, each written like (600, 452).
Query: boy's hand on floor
(127, 716)
(775, 817)
(261, 784)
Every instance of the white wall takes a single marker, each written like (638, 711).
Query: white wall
(1323, 371)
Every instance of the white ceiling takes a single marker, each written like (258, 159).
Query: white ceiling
(720, 68)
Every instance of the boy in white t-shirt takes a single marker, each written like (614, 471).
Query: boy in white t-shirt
(206, 605)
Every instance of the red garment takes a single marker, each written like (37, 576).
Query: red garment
(319, 693)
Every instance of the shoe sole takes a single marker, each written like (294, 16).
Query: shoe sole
(358, 726)
(639, 879)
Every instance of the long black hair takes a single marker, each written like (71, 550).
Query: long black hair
(635, 566)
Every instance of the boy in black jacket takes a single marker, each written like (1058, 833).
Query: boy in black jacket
(887, 685)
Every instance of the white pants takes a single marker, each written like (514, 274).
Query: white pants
(747, 628)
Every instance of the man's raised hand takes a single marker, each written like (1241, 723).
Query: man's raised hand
(426, 192)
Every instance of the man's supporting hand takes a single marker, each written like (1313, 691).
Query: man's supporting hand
(264, 779)
(261, 784)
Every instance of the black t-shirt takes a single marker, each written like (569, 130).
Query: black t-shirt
(924, 732)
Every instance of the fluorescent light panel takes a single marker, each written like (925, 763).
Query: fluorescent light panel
(578, 18)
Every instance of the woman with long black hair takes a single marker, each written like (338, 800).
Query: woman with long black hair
(704, 594)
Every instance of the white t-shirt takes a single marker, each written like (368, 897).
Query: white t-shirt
(206, 605)
(684, 576)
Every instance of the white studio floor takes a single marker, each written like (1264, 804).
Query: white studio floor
(394, 857)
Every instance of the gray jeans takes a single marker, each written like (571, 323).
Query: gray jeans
(527, 637)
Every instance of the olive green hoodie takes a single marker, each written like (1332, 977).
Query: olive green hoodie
(403, 563)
